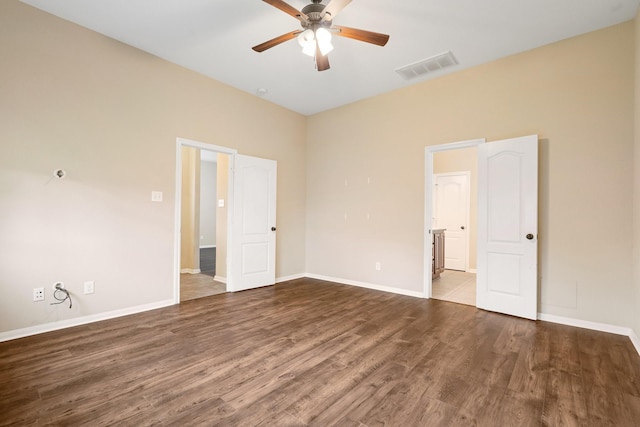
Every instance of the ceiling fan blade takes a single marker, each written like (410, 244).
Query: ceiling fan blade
(332, 9)
(322, 61)
(362, 35)
(276, 41)
(286, 8)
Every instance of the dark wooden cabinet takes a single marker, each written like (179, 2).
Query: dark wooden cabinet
(437, 252)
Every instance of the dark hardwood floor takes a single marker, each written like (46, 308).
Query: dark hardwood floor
(308, 352)
(208, 261)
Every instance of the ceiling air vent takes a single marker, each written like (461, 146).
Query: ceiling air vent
(426, 66)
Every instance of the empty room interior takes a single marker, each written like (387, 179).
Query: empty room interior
(259, 237)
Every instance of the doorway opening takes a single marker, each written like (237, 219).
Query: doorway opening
(203, 197)
(450, 221)
(453, 221)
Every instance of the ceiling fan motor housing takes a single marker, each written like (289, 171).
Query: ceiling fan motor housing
(314, 13)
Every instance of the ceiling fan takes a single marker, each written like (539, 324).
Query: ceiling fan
(316, 20)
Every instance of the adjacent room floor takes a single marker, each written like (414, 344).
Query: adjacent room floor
(193, 286)
(455, 286)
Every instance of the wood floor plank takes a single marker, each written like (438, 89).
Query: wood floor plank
(314, 400)
(363, 397)
(633, 404)
(608, 407)
(564, 402)
(407, 405)
(308, 392)
(314, 353)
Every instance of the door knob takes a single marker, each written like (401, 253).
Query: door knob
(530, 236)
(273, 229)
(462, 227)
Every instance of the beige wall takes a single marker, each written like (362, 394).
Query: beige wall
(221, 223)
(577, 95)
(636, 181)
(463, 160)
(110, 114)
(190, 210)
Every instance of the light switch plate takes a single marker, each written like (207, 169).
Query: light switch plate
(89, 287)
(156, 196)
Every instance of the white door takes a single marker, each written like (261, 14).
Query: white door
(452, 213)
(254, 221)
(507, 274)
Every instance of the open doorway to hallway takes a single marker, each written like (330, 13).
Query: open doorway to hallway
(455, 286)
(454, 211)
(203, 223)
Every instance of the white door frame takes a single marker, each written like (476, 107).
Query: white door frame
(428, 201)
(182, 142)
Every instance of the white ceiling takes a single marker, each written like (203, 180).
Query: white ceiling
(214, 37)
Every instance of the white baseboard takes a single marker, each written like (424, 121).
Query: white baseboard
(69, 323)
(207, 246)
(635, 340)
(190, 271)
(595, 326)
(48, 327)
(602, 327)
(472, 270)
(586, 324)
(398, 291)
(292, 277)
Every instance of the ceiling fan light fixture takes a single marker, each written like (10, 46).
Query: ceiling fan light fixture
(324, 40)
(306, 37)
(307, 40)
(310, 49)
(325, 47)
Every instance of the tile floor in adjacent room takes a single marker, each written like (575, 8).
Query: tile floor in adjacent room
(194, 286)
(455, 286)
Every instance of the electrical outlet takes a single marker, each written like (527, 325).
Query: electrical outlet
(38, 294)
(89, 287)
(378, 266)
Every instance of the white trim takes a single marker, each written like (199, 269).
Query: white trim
(220, 279)
(207, 246)
(635, 340)
(415, 294)
(63, 324)
(206, 146)
(190, 271)
(291, 277)
(586, 324)
(428, 203)
(595, 326)
(472, 270)
(602, 327)
(183, 142)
